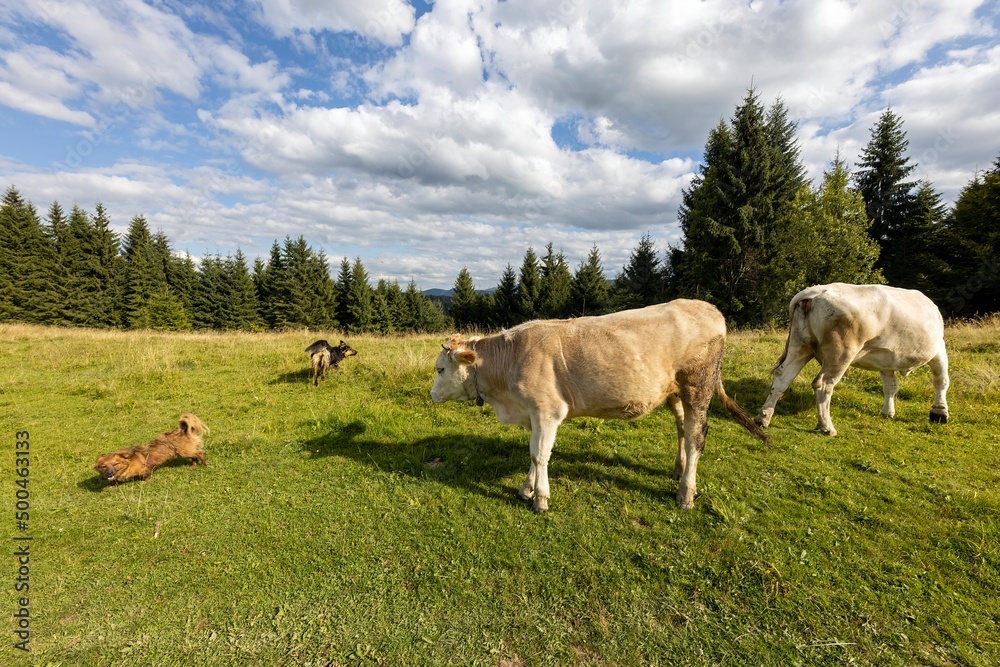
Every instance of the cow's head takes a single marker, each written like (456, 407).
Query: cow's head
(455, 366)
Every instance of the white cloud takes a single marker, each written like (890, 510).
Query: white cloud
(383, 20)
(432, 148)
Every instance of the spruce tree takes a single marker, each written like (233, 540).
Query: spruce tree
(528, 286)
(464, 302)
(505, 306)
(27, 264)
(143, 273)
(359, 299)
(243, 312)
(104, 269)
(426, 316)
(823, 238)
(65, 284)
(554, 288)
(973, 237)
(640, 282)
(266, 279)
(732, 211)
(589, 289)
(343, 287)
(881, 178)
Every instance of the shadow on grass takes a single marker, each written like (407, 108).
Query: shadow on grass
(303, 376)
(483, 465)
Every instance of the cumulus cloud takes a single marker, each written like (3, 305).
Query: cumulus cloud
(462, 134)
(386, 21)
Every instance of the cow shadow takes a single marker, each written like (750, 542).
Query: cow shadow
(493, 467)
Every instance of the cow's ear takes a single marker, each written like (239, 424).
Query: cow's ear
(466, 357)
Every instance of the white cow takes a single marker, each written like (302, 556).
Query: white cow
(617, 366)
(880, 328)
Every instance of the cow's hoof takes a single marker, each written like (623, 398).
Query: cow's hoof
(763, 422)
(521, 495)
(826, 431)
(939, 417)
(541, 505)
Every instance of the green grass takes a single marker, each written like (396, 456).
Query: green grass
(359, 524)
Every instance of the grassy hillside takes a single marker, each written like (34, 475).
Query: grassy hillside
(359, 524)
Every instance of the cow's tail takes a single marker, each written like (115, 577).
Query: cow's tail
(741, 416)
(803, 306)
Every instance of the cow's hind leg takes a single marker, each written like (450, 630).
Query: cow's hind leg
(677, 408)
(794, 359)
(695, 398)
(890, 387)
(939, 373)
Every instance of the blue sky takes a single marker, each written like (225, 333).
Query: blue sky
(424, 137)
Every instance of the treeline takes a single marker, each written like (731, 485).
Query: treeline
(75, 270)
(755, 232)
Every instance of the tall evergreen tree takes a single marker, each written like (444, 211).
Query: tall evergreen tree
(554, 288)
(733, 208)
(426, 315)
(505, 304)
(359, 299)
(973, 234)
(641, 281)
(143, 275)
(104, 270)
(306, 296)
(266, 280)
(529, 286)
(881, 178)
(824, 238)
(243, 313)
(210, 299)
(27, 264)
(464, 301)
(343, 286)
(589, 289)
(66, 249)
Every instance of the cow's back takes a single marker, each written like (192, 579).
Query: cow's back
(620, 365)
(895, 328)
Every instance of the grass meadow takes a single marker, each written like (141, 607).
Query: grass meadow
(359, 524)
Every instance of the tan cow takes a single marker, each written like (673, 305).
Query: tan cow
(617, 366)
(877, 327)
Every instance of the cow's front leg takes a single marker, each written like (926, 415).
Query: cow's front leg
(543, 437)
(890, 387)
(794, 360)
